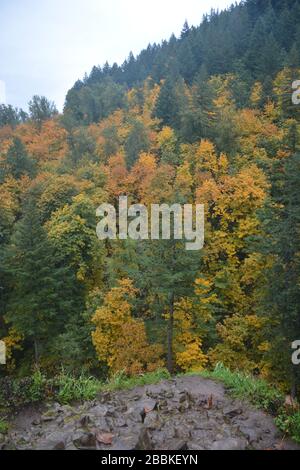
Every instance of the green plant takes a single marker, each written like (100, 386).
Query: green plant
(120, 381)
(242, 385)
(76, 388)
(37, 389)
(3, 426)
(289, 424)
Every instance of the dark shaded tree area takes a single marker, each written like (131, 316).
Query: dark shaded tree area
(259, 36)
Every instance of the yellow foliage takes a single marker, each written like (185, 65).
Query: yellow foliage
(133, 354)
(187, 342)
(120, 341)
(206, 158)
(117, 176)
(50, 143)
(256, 93)
(141, 176)
(13, 342)
(242, 344)
(184, 181)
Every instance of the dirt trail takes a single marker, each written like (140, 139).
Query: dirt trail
(186, 413)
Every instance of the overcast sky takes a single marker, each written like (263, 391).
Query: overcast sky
(46, 45)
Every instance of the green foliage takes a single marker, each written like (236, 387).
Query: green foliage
(88, 104)
(121, 382)
(66, 387)
(213, 123)
(136, 142)
(41, 109)
(17, 163)
(259, 39)
(10, 116)
(245, 386)
(37, 387)
(4, 426)
(262, 395)
(37, 309)
(282, 297)
(16, 392)
(289, 424)
(166, 106)
(70, 388)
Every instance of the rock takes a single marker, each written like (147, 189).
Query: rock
(232, 411)
(252, 435)
(47, 417)
(85, 420)
(87, 441)
(148, 405)
(37, 422)
(134, 415)
(144, 441)
(230, 444)
(55, 441)
(168, 415)
(99, 410)
(151, 420)
(127, 440)
(70, 446)
(119, 444)
(175, 444)
(194, 446)
(119, 421)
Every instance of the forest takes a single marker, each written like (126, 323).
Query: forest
(203, 118)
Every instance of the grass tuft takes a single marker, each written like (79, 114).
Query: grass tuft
(244, 386)
(3, 426)
(121, 382)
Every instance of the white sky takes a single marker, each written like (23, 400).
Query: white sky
(46, 45)
(2, 92)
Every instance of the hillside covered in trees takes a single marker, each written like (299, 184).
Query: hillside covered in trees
(204, 118)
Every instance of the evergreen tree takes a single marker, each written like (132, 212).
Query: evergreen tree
(17, 162)
(43, 291)
(167, 270)
(41, 109)
(166, 108)
(10, 116)
(282, 299)
(137, 142)
(185, 30)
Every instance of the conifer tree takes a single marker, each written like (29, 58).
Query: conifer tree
(43, 292)
(282, 299)
(166, 106)
(17, 162)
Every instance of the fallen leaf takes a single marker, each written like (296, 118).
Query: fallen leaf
(209, 403)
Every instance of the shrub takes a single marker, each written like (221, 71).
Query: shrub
(289, 424)
(71, 388)
(3, 426)
(66, 388)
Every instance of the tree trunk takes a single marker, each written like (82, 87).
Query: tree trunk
(294, 383)
(36, 352)
(170, 365)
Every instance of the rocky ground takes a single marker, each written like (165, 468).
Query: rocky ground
(186, 413)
